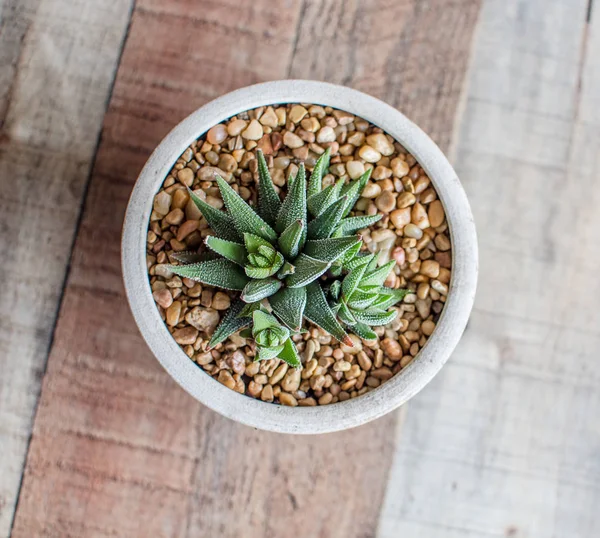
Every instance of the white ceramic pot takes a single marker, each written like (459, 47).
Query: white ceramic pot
(267, 416)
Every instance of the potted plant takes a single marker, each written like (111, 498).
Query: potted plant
(299, 256)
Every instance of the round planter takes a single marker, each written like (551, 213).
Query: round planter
(268, 416)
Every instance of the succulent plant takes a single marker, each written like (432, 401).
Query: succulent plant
(360, 299)
(275, 254)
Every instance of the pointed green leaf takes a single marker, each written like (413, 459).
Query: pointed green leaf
(350, 225)
(361, 299)
(258, 260)
(187, 257)
(335, 289)
(345, 314)
(360, 260)
(289, 354)
(307, 270)
(244, 217)
(354, 190)
(322, 227)
(228, 249)
(248, 309)
(352, 280)
(266, 353)
(220, 222)
(219, 273)
(351, 253)
(256, 290)
(268, 199)
(294, 205)
(379, 275)
(253, 241)
(385, 299)
(232, 322)
(289, 241)
(268, 252)
(374, 318)
(329, 249)
(264, 272)
(288, 305)
(316, 178)
(363, 331)
(319, 202)
(262, 320)
(287, 269)
(318, 312)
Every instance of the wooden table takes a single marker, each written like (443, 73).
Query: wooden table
(96, 440)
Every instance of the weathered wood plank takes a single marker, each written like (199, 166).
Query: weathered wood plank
(505, 441)
(57, 63)
(118, 449)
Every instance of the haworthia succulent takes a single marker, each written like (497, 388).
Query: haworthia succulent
(378, 276)
(353, 190)
(374, 318)
(321, 201)
(364, 331)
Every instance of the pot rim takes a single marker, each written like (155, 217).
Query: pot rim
(279, 418)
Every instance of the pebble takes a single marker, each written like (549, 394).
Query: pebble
(419, 216)
(267, 393)
(163, 298)
(203, 319)
(162, 269)
(391, 348)
(381, 143)
(180, 197)
(254, 131)
(371, 190)
(385, 202)
(185, 336)
(227, 163)
(287, 399)
(269, 118)
(162, 203)
(400, 217)
(369, 154)
(221, 301)
(325, 134)
(405, 199)
(399, 255)
(412, 230)
(297, 113)
(173, 313)
(436, 213)
(186, 176)
(430, 268)
(427, 327)
(216, 134)
(442, 242)
(355, 169)
(174, 217)
(292, 140)
(399, 167)
(439, 287)
(236, 127)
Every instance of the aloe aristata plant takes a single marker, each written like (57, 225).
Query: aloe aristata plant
(282, 255)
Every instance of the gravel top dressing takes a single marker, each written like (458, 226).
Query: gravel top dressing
(412, 231)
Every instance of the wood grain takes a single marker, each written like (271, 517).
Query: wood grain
(505, 441)
(57, 61)
(118, 449)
